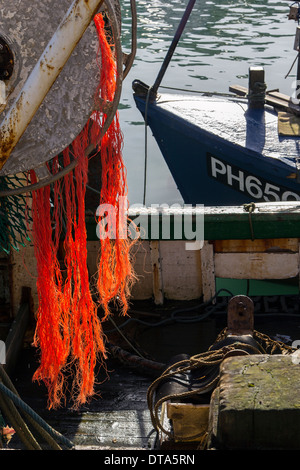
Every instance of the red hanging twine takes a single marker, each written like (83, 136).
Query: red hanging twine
(115, 273)
(69, 333)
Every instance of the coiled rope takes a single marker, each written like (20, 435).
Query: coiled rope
(210, 358)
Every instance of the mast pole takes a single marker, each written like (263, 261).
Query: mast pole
(173, 46)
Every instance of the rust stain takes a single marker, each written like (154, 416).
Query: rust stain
(155, 276)
(8, 134)
(46, 65)
(87, 2)
(6, 146)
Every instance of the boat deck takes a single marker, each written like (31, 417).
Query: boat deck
(117, 418)
(230, 119)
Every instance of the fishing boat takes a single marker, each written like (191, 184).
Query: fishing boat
(209, 306)
(247, 270)
(225, 148)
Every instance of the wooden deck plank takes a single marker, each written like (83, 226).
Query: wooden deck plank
(256, 409)
(256, 265)
(276, 99)
(116, 418)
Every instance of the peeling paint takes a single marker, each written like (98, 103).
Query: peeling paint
(30, 25)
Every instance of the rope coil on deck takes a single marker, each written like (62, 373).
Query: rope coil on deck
(210, 358)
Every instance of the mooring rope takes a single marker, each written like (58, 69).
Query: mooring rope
(210, 358)
(10, 401)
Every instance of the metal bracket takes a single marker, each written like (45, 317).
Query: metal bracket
(240, 316)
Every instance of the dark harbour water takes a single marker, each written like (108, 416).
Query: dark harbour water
(220, 42)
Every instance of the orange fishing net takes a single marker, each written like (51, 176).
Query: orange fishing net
(115, 270)
(69, 333)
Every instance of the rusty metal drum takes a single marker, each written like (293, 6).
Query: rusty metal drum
(25, 30)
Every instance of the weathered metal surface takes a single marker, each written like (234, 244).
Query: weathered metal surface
(44, 74)
(2, 95)
(240, 319)
(6, 60)
(28, 27)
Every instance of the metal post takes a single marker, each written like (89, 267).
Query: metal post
(173, 45)
(257, 88)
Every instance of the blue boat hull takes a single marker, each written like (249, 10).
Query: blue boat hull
(211, 169)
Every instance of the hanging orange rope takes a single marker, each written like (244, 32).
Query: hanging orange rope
(115, 273)
(69, 332)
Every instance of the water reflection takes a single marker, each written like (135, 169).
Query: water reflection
(219, 44)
